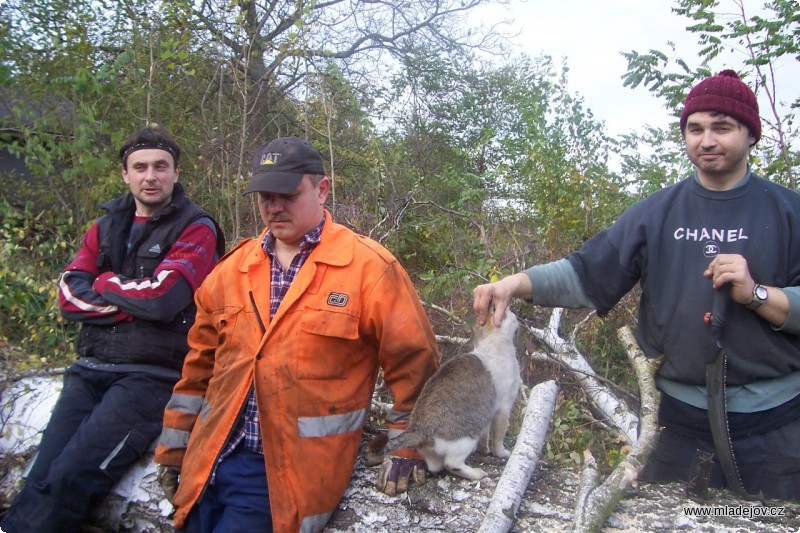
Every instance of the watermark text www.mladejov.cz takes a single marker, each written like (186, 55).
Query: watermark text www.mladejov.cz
(744, 511)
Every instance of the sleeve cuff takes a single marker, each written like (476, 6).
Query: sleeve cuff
(792, 322)
(100, 282)
(557, 284)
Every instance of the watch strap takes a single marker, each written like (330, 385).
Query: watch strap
(757, 300)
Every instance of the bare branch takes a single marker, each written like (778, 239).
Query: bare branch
(595, 503)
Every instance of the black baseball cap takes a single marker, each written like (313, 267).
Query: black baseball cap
(279, 166)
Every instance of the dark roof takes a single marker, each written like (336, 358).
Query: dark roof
(17, 111)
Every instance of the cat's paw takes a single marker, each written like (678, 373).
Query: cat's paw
(479, 473)
(467, 472)
(502, 453)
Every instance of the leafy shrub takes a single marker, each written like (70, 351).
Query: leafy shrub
(32, 254)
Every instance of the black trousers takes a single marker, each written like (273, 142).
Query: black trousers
(101, 424)
(764, 444)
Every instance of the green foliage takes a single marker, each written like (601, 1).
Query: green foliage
(438, 239)
(575, 426)
(57, 99)
(494, 168)
(573, 430)
(70, 173)
(598, 337)
(557, 170)
(32, 253)
(652, 160)
(567, 437)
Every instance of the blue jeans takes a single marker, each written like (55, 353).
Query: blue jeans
(238, 500)
(101, 424)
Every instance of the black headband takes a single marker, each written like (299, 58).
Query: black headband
(149, 145)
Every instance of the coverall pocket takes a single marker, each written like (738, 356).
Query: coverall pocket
(228, 337)
(329, 343)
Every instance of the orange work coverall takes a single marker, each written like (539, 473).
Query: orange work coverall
(350, 309)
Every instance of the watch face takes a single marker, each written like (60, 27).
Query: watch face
(761, 292)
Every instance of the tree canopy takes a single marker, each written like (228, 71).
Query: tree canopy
(467, 169)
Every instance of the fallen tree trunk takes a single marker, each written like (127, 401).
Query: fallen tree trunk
(595, 503)
(519, 468)
(566, 353)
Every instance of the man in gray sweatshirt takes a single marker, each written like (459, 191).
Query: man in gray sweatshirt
(721, 230)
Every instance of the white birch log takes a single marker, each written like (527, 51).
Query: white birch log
(456, 341)
(595, 503)
(567, 354)
(519, 468)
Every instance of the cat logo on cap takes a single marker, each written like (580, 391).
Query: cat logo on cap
(269, 159)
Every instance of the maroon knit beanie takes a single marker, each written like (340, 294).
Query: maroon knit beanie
(724, 93)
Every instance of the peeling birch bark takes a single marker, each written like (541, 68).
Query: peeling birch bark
(594, 504)
(519, 468)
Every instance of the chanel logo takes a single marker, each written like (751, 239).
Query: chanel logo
(710, 249)
(338, 300)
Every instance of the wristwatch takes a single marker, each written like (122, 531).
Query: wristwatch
(760, 296)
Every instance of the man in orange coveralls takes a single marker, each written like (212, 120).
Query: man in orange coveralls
(266, 421)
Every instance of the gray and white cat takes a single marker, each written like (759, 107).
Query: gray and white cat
(466, 404)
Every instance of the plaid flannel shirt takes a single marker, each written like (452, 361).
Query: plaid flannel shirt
(247, 430)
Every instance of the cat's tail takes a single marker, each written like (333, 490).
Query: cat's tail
(380, 445)
(407, 439)
(375, 449)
